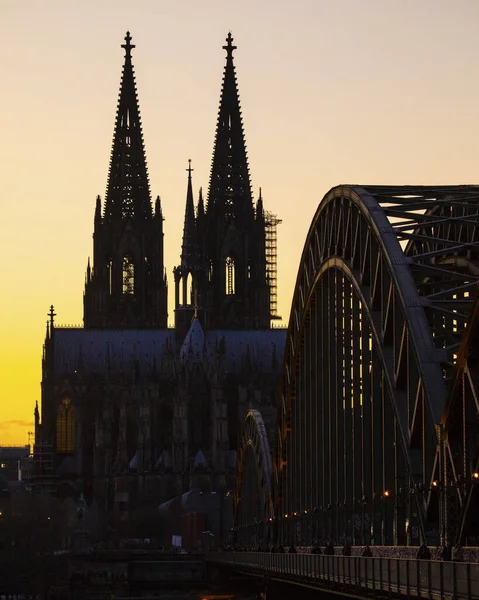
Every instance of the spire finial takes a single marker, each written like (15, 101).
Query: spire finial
(189, 169)
(52, 315)
(229, 45)
(128, 46)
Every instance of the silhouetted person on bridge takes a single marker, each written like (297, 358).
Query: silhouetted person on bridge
(424, 553)
(346, 549)
(329, 549)
(281, 549)
(446, 553)
(292, 549)
(316, 549)
(458, 553)
(367, 552)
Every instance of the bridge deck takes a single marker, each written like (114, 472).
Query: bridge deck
(424, 579)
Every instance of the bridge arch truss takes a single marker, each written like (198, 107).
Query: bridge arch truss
(253, 501)
(374, 331)
(382, 298)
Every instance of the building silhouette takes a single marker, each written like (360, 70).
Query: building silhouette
(134, 413)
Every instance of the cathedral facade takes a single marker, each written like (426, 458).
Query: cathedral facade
(134, 413)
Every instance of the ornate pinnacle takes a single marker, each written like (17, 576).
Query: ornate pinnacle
(52, 315)
(229, 45)
(128, 46)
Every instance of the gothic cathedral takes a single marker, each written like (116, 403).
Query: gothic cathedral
(134, 413)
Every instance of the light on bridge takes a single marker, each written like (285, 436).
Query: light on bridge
(386, 493)
(475, 475)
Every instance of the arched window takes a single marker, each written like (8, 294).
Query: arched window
(128, 275)
(189, 290)
(66, 427)
(230, 276)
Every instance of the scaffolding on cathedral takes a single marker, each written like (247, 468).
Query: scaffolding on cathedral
(43, 476)
(271, 236)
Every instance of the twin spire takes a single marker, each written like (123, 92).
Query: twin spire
(128, 188)
(126, 284)
(230, 188)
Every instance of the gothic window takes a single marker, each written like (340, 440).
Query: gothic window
(189, 290)
(128, 275)
(65, 427)
(230, 276)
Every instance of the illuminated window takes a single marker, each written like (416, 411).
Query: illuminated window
(65, 427)
(230, 276)
(128, 275)
(3, 465)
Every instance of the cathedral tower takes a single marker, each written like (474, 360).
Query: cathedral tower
(234, 291)
(126, 287)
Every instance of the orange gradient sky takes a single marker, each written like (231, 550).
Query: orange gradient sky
(336, 91)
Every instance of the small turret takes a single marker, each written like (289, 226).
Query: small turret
(158, 211)
(200, 211)
(98, 211)
(88, 272)
(259, 208)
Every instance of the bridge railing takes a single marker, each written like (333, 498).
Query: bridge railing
(424, 578)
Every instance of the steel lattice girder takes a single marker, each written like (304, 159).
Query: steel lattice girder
(459, 433)
(401, 292)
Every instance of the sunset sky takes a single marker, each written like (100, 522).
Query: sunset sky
(336, 91)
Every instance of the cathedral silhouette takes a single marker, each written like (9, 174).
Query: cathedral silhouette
(134, 413)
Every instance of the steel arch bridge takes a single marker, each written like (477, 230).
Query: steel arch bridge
(377, 412)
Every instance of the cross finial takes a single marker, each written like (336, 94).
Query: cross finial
(128, 46)
(189, 169)
(51, 314)
(229, 45)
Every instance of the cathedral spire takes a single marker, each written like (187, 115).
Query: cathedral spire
(230, 189)
(128, 189)
(189, 248)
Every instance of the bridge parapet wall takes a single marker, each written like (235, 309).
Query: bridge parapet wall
(402, 577)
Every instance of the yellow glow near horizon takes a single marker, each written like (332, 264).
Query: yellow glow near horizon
(332, 92)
